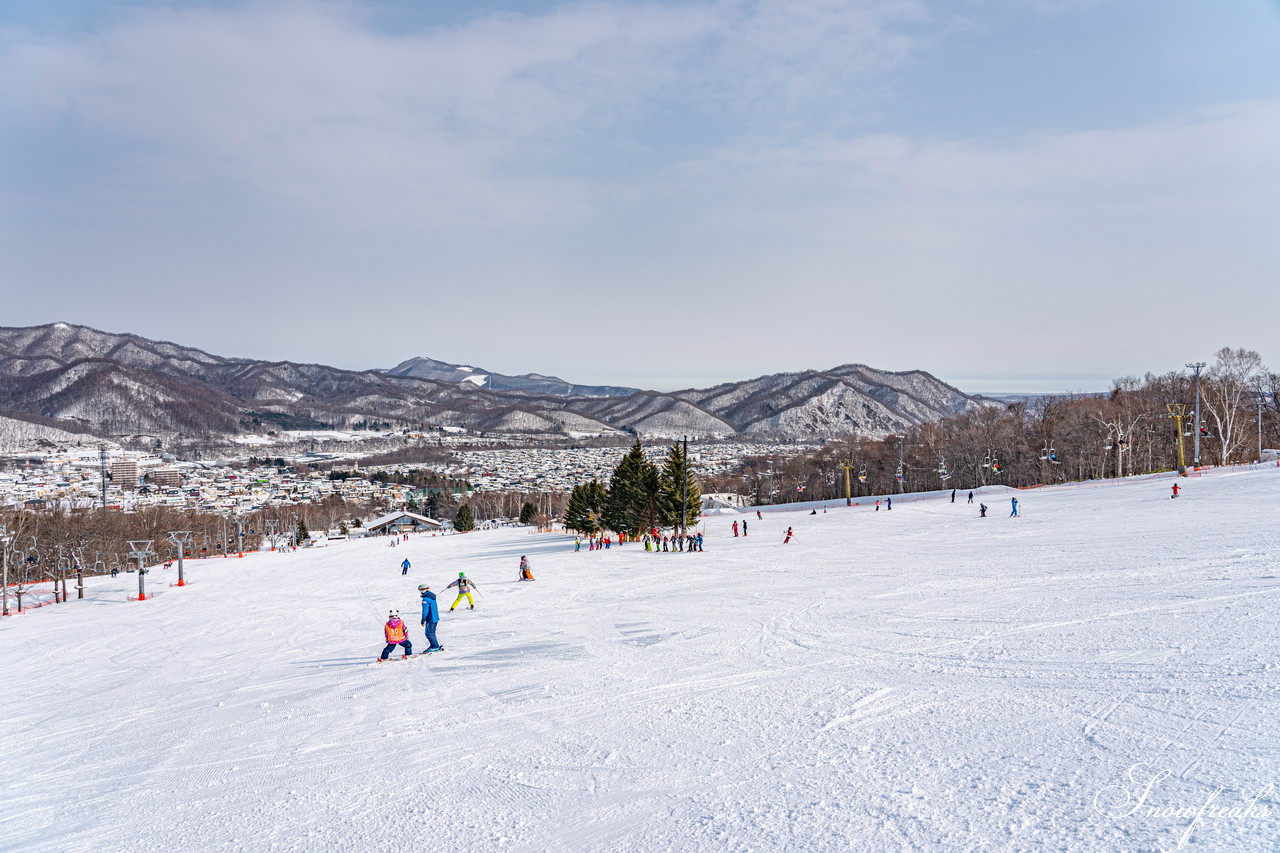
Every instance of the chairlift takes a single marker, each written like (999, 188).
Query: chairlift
(1044, 452)
(986, 462)
(862, 474)
(898, 475)
(942, 469)
(1053, 456)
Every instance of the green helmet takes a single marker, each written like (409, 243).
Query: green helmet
(462, 574)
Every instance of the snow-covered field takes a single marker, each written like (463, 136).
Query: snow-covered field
(1087, 677)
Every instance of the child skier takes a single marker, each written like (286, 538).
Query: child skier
(430, 617)
(982, 510)
(396, 636)
(788, 539)
(464, 585)
(1014, 513)
(526, 573)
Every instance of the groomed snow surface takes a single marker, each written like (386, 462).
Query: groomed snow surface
(1085, 677)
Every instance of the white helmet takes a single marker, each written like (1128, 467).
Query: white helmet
(394, 614)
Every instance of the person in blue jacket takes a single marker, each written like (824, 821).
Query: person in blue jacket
(404, 567)
(430, 616)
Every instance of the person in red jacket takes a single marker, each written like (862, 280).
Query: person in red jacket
(397, 635)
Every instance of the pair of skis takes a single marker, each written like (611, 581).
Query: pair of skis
(407, 657)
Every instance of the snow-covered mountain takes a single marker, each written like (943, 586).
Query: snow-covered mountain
(421, 367)
(121, 384)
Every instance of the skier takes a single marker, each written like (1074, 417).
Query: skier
(526, 573)
(982, 510)
(404, 567)
(953, 495)
(877, 506)
(744, 526)
(735, 528)
(115, 570)
(464, 585)
(577, 543)
(788, 539)
(889, 501)
(1175, 491)
(430, 617)
(699, 538)
(815, 512)
(1014, 513)
(758, 516)
(396, 636)
(971, 497)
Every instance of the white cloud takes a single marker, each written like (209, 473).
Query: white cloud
(307, 103)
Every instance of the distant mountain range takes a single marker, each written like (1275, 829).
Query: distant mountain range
(81, 380)
(531, 383)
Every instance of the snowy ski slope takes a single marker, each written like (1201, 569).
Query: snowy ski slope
(914, 679)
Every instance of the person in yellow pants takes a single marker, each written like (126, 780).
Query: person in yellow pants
(464, 585)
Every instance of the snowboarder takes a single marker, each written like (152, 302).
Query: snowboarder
(1014, 513)
(815, 512)
(430, 617)
(404, 567)
(982, 510)
(735, 528)
(1175, 491)
(464, 585)
(788, 539)
(396, 636)
(526, 573)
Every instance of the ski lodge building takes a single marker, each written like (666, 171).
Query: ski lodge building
(402, 522)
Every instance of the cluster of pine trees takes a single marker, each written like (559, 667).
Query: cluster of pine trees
(639, 497)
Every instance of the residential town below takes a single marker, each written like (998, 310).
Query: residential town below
(71, 477)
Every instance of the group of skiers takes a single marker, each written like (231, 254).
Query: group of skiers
(676, 542)
(397, 634)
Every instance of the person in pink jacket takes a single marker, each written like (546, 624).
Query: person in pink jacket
(397, 635)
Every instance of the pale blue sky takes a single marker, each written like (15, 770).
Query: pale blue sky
(1006, 193)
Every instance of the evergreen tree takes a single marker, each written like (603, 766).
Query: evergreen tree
(677, 485)
(585, 510)
(527, 512)
(597, 499)
(465, 520)
(632, 503)
(303, 533)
